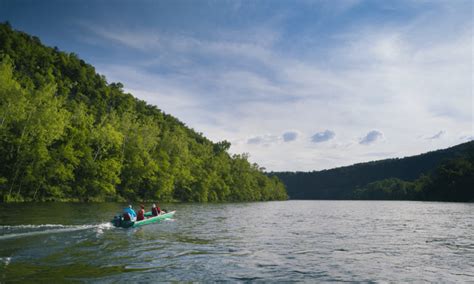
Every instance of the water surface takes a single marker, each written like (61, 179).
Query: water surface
(290, 240)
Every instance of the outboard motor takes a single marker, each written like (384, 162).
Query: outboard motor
(117, 221)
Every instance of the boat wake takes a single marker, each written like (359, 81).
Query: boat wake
(19, 231)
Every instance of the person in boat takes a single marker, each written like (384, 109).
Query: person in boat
(141, 213)
(129, 214)
(155, 210)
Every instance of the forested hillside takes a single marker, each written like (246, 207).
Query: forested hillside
(444, 175)
(67, 134)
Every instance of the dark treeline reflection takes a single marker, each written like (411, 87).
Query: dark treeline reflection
(67, 134)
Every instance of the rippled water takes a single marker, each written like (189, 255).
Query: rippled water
(291, 240)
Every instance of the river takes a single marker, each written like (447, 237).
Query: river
(267, 241)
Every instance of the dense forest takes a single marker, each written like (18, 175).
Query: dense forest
(443, 175)
(67, 134)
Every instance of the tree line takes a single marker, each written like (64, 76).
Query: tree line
(442, 175)
(453, 180)
(67, 134)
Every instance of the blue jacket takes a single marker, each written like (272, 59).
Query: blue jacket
(131, 212)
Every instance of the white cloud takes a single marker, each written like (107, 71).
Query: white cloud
(290, 136)
(255, 140)
(398, 78)
(323, 136)
(437, 135)
(371, 137)
(265, 140)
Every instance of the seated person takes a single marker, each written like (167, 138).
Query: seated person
(155, 210)
(141, 213)
(129, 214)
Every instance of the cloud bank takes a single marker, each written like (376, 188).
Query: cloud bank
(395, 74)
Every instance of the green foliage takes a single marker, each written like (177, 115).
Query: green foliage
(453, 180)
(387, 189)
(391, 178)
(66, 134)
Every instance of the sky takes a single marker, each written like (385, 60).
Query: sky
(298, 85)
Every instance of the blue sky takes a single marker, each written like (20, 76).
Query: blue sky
(299, 85)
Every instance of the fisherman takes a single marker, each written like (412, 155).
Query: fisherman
(141, 213)
(155, 210)
(129, 214)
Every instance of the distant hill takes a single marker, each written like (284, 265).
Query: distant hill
(354, 182)
(67, 134)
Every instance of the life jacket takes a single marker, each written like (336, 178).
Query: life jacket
(126, 217)
(141, 215)
(155, 211)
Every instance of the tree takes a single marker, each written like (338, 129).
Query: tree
(66, 134)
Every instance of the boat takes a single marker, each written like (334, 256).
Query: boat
(118, 220)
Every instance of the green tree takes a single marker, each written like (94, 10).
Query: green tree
(67, 134)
